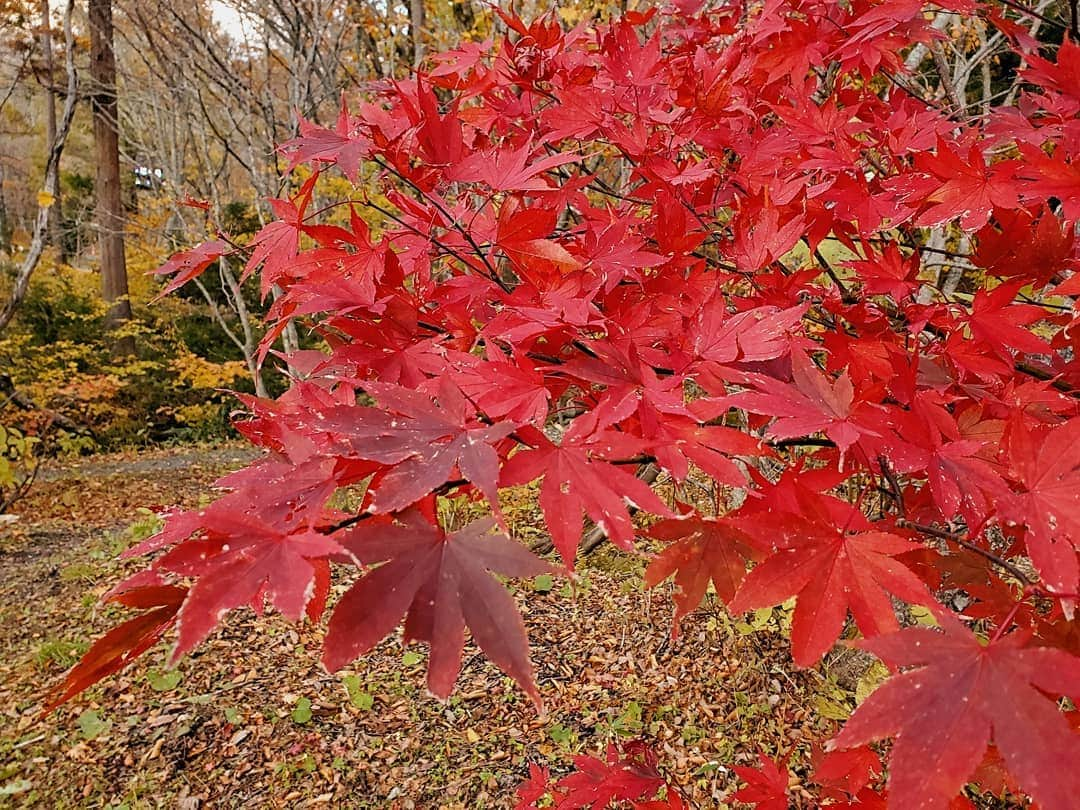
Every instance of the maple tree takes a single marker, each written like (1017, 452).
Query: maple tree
(690, 245)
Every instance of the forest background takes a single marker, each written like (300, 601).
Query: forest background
(204, 92)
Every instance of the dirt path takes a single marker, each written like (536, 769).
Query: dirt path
(151, 463)
(253, 719)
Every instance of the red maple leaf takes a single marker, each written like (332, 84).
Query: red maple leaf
(128, 640)
(766, 787)
(243, 561)
(524, 235)
(190, 264)
(421, 441)
(338, 146)
(889, 273)
(277, 243)
(957, 695)
(1052, 176)
(701, 550)
(440, 583)
(357, 269)
(577, 479)
(1047, 466)
(847, 772)
(965, 188)
(830, 571)
(625, 776)
(534, 788)
(997, 320)
(761, 333)
(1062, 76)
(507, 169)
(1024, 247)
(814, 402)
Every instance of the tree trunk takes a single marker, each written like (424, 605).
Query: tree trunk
(110, 212)
(52, 180)
(50, 119)
(416, 29)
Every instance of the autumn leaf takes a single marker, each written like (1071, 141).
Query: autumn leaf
(128, 640)
(577, 479)
(830, 571)
(189, 264)
(700, 551)
(441, 584)
(957, 695)
(766, 787)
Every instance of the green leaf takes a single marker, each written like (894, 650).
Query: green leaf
(301, 713)
(232, 715)
(923, 616)
(411, 658)
(628, 724)
(561, 735)
(831, 709)
(870, 680)
(358, 697)
(543, 583)
(762, 617)
(91, 725)
(164, 681)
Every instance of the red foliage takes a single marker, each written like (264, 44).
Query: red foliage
(629, 775)
(608, 248)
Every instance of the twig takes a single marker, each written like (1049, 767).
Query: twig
(960, 540)
(944, 534)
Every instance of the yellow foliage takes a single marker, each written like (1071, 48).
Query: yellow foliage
(196, 414)
(199, 372)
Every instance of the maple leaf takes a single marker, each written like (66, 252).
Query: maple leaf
(760, 238)
(1062, 76)
(700, 551)
(830, 571)
(997, 320)
(890, 273)
(578, 479)
(422, 440)
(677, 442)
(188, 265)
(128, 640)
(754, 335)
(534, 788)
(846, 771)
(338, 146)
(1051, 177)
(967, 188)
(957, 695)
(395, 349)
(244, 561)
(813, 403)
(614, 252)
(524, 235)
(766, 787)
(355, 272)
(507, 169)
(277, 243)
(1024, 247)
(1047, 466)
(440, 583)
(513, 390)
(955, 460)
(625, 776)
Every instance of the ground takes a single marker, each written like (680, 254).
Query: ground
(252, 719)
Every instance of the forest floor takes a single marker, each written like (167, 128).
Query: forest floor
(252, 718)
